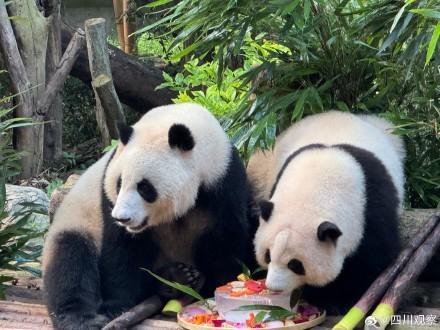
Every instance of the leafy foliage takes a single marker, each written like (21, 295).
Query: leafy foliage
(376, 56)
(15, 234)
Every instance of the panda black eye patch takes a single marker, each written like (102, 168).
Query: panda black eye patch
(147, 191)
(118, 185)
(296, 266)
(267, 257)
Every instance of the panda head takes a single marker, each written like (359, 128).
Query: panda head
(312, 222)
(161, 162)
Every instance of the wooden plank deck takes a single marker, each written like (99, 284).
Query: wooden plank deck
(24, 308)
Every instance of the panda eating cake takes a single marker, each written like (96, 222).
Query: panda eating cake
(173, 193)
(331, 193)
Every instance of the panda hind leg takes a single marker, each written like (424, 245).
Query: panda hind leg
(72, 284)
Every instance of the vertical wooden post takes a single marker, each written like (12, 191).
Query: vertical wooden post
(117, 7)
(128, 28)
(99, 63)
(53, 131)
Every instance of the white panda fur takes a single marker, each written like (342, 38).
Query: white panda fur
(314, 177)
(105, 231)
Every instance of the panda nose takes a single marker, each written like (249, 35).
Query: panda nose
(123, 220)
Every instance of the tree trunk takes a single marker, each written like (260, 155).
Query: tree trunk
(27, 70)
(99, 63)
(53, 130)
(135, 81)
(128, 28)
(117, 7)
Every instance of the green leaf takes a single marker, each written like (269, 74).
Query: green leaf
(299, 105)
(307, 7)
(426, 12)
(278, 315)
(185, 51)
(157, 3)
(399, 14)
(183, 288)
(245, 269)
(342, 106)
(260, 317)
(432, 44)
(258, 270)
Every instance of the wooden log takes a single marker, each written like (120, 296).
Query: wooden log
(24, 136)
(394, 295)
(135, 80)
(114, 112)
(117, 7)
(381, 284)
(64, 66)
(53, 115)
(31, 35)
(137, 314)
(99, 63)
(127, 27)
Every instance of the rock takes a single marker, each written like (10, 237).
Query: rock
(59, 194)
(16, 196)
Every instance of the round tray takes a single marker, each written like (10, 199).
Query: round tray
(299, 326)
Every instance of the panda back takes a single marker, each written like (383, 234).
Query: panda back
(80, 210)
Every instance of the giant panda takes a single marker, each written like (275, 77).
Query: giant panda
(330, 195)
(173, 197)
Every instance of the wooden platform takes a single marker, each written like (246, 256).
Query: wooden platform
(24, 308)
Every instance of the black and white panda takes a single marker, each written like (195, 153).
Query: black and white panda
(174, 192)
(331, 193)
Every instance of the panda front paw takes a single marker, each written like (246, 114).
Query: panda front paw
(181, 273)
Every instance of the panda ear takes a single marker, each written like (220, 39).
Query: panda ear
(179, 136)
(125, 132)
(328, 231)
(266, 208)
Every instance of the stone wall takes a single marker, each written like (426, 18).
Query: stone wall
(75, 12)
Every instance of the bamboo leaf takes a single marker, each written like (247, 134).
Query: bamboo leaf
(432, 44)
(426, 12)
(157, 3)
(399, 15)
(182, 288)
(260, 317)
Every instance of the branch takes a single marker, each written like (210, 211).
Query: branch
(59, 77)
(114, 112)
(12, 57)
(137, 314)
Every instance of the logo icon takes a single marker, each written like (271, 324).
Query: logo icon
(371, 321)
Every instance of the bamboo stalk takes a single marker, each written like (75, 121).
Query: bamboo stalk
(380, 285)
(136, 314)
(393, 297)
